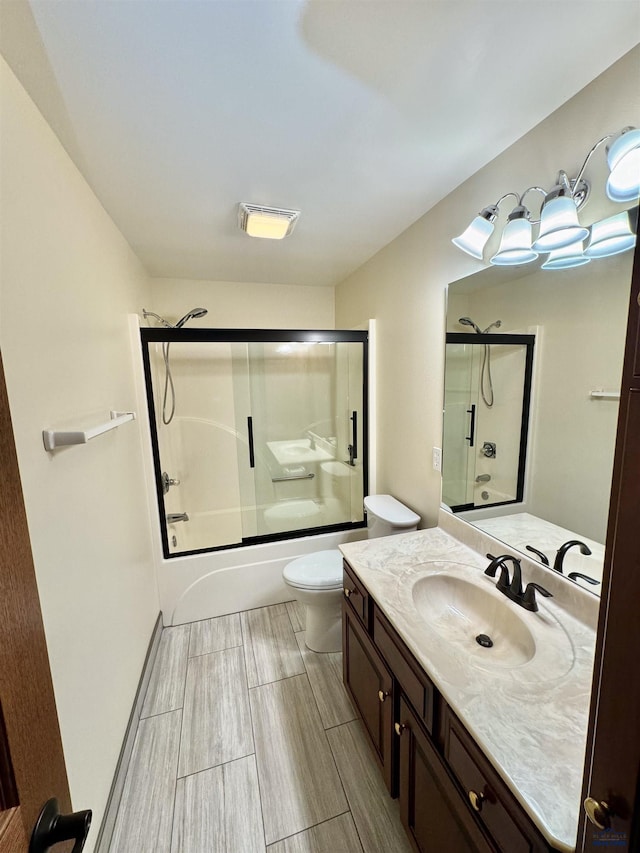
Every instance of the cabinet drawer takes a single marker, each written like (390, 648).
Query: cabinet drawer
(486, 793)
(356, 595)
(415, 685)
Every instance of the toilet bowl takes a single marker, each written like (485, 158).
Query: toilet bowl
(315, 580)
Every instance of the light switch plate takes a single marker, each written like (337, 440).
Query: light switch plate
(436, 456)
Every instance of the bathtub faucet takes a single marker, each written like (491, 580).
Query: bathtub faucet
(172, 517)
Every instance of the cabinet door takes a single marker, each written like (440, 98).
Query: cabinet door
(369, 684)
(431, 808)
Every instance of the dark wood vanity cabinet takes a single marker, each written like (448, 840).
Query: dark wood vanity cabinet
(450, 796)
(370, 685)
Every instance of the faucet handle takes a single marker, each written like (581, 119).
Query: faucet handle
(529, 596)
(543, 557)
(575, 575)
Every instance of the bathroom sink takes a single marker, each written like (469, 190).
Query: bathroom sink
(461, 611)
(462, 621)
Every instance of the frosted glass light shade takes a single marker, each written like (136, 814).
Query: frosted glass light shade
(559, 225)
(623, 157)
(474, 239)
(515, 246)
(569, 256)
(610, 237)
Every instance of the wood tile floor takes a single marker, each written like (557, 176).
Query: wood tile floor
(248, 743)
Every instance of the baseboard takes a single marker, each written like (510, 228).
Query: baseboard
(108, 821)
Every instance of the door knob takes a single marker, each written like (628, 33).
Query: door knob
(53, 827)
(598, 813)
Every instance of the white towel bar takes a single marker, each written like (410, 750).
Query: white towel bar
(60, 438)
(605, 395)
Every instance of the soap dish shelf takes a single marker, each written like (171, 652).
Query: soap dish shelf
(53, 438)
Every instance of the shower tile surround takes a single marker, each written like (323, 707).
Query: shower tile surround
(534, 733)
(239, 769)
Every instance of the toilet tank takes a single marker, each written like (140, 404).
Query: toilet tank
(386, 516)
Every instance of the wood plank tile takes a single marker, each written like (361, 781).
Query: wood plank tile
(144, 818)
(216, 727)
(337, 835)
(325, 677)
(214, 635)
(218, 810)
(375, 814)
(166, 685)
(298, 615)
(298, 780)
(271, 651)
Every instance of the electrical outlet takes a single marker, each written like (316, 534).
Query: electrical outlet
(436, 456)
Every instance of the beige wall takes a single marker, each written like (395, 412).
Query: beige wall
(244, 305)
(403, 287)
(69, 280)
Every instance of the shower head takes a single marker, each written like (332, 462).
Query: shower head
(467, 321)
(495, 325)
(194, 314)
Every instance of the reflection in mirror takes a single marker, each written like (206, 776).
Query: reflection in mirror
(485, 434)
(578, 317)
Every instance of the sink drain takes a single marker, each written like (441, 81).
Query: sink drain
(484, 640)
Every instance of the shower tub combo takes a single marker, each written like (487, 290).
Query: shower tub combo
(259, 442)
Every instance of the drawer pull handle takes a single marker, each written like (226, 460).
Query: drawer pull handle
(476, 801)
(598, 813)
(348, 592)
(399, 727)
(382, 695)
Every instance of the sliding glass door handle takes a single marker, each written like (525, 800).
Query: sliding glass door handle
(252, 456)
(472, 426)
(353, 447)
(52, 827)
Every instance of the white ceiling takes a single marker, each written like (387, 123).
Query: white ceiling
(362, 114)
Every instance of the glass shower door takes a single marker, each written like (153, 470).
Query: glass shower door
(305, 399)
(459, 428)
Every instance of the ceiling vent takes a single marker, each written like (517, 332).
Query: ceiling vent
(271, 223)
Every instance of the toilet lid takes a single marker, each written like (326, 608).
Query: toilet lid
(387, 508)
(321, 570)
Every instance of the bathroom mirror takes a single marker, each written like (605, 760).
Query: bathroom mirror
(578, 319)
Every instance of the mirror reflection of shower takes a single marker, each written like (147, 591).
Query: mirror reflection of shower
(193, 314)
(486, 382)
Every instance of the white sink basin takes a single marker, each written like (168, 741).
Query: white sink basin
(297, 450)
(468, 622)
(460, 611)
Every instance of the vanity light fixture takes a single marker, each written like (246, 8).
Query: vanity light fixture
(569, 256)
(613, 235)
(474, 238)
(271, 223)
(559, 227)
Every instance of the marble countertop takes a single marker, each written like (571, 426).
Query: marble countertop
(531, 719)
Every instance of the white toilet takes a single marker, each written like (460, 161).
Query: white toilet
(315, 580)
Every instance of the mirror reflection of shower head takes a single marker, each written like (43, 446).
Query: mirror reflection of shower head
(495, 325)
(467, 321)
(194, 314)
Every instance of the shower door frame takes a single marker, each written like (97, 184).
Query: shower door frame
(528, 341)
(249, 336)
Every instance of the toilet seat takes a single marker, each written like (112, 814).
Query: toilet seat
(320, 570)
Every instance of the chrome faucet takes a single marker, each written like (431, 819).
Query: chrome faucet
(513, 588)
(562, 550)
(172, 517)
